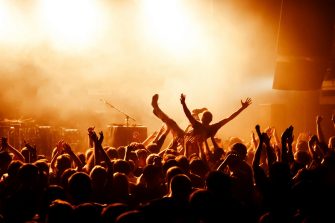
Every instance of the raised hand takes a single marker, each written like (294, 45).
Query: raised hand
(312, 141)
(266, 138)
(182, 98)
(258, 130)
(101, 138)
(287, 136)
(93, 136)
(59, 146)
(333, 118)
(319, 119)
(90, 129)
(246, 103)
(290, 136)
(67, 148)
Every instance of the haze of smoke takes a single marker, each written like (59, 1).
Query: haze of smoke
(64, 88)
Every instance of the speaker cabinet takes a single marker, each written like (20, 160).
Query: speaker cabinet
(305, 38)
(123, 135)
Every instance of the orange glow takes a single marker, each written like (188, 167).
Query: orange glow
(72, 53)
(15, 26)
(4, 19)
(71, 24)
(168, 24)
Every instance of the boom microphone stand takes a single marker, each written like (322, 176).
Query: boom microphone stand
(126, 115)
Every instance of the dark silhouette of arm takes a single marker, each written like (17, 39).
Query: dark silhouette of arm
(257, 156)
(218, 125)
(319, 131)
(9, 148)
(286, 141)
(187, 112)
(67, 148)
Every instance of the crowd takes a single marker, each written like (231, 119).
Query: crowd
(196, 178)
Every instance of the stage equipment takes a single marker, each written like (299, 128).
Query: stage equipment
(120, 135)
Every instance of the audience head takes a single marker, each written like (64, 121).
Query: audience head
(152, 175)
(171, 172)
(60, 211)
(87, 213)
(183, 163)
(301, 145)
(121, 150)
(302, 157)
(180, 187)
(206, 117)
(122, 166)
(42, 165)
(142, 155)
(28, 175)
(198, 167)
(80, 188)
(120, 184)
(168, 164)
(64, 179)
(240, 150)
(112, 153)
(153, 148)
(63, 162)
(98, 176)
(151, 158)
(13, 168)
(110, 213)
(134, 216)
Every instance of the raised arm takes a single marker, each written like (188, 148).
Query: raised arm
(313, 147)
(6, 146)
(257, 156)
(319, 131)
(271, 155)
(187, 112)
(150, 138)
(244, 105)
(67, 148)
(287, 140)
(162, 136)
(58, 151)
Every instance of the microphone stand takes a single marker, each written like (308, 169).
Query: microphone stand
(126, 115)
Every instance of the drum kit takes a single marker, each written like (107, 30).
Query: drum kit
(19, 132)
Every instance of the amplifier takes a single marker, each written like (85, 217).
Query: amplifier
(123, 135)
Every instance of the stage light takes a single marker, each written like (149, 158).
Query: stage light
(16, 25)
(168, 24)
(4, 19)
(71, 24)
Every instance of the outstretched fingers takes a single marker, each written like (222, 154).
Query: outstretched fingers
(246, 103)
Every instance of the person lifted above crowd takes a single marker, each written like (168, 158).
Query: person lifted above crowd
(194, 138)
